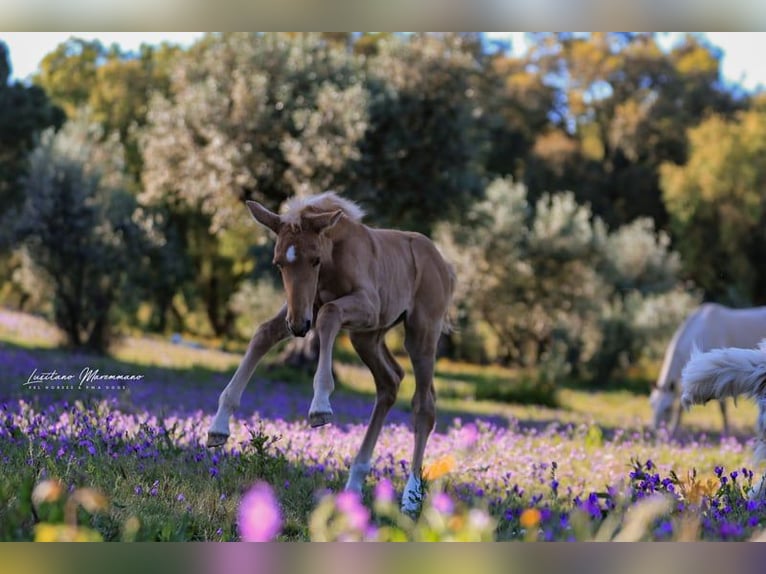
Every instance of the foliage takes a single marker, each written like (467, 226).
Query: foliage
(413, 126)
(554, 284)
(254, 303)
(77, 228)
(420, 160)
(516, 104)
(716, 201)
(24, 112)
(237, 107)
(622, 105)
(262, 113)
(115, 86)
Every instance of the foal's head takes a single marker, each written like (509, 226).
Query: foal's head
(302, 246)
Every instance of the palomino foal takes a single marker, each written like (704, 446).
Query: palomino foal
(340, 274)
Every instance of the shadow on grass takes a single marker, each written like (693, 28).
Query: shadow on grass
(634, 385)
(276, 391)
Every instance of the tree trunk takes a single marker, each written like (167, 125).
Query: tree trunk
(180, 323)
(211, 306)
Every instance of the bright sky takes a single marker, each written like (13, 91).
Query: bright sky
(742, 51)
(27, 49)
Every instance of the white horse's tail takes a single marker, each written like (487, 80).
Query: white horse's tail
(724, 373)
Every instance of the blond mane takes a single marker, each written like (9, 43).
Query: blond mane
(322, 203)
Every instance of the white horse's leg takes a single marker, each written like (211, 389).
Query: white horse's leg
(267, 335)
(759, 453)
(675, 421)
(724, 416)
(352, 311)
(387, 373)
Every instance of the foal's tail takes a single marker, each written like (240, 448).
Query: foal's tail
(447, 325)
(724, 373)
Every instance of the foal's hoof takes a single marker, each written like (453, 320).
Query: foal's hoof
(216, 439)
(319, 419)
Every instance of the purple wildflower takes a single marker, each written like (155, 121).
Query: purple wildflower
(730, 530)
(664, 530)
(384, 492)
(443, 503)
(259, 518)
(468, 436)
(718, 471)
(350, 505)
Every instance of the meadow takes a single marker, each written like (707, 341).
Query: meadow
(129, 463)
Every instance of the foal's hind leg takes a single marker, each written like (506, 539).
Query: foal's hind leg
(267, 335)
(420, 341)
(387, 373)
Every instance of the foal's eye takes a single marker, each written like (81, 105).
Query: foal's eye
(315, 262)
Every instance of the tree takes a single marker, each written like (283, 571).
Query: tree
(516, 103)
(716, 200)
(78, 227)
(554, 285)
(24, 112)
(114, 85)
(420, 160)
(528, 265)
(70, 72)
(626, 105)
(262, 116)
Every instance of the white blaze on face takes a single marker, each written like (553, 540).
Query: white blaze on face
(290, 254)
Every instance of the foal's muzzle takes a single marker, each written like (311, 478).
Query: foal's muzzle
(299, 329)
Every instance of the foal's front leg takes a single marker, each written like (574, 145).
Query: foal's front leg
(354, 311)
(268, 334)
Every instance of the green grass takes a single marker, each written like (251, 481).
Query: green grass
(190, 505)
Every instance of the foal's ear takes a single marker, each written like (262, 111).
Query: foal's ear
(264, 216)
(320, 222)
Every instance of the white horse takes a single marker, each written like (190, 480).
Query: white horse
(711, 326)
(725, 373)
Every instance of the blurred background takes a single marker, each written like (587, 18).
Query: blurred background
(591, 189)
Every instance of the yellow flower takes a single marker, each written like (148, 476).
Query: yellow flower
(694, 489)
(530, 518)
(439, 468)
(45, 532)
